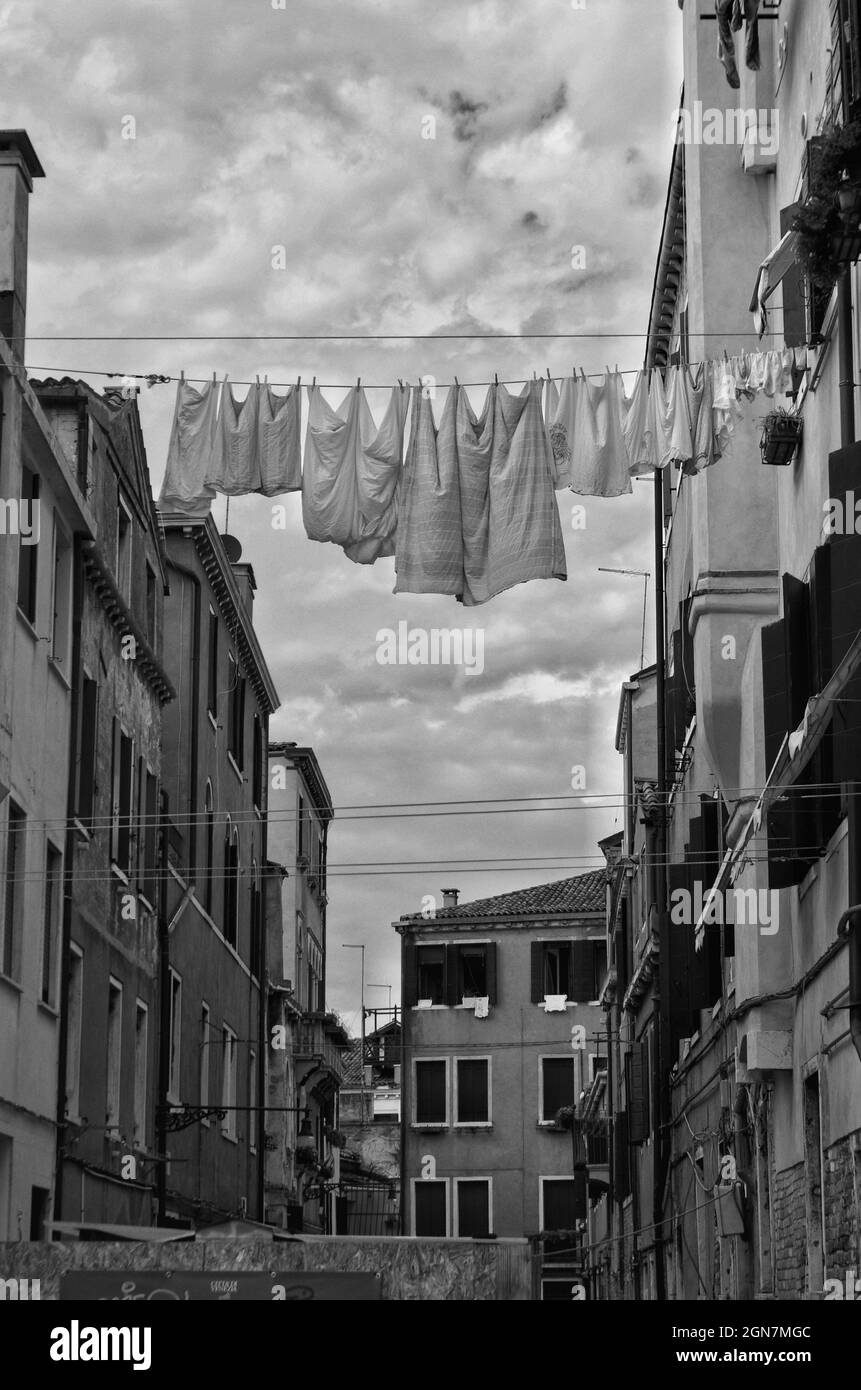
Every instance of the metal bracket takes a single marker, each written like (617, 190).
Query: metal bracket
(181, 1116)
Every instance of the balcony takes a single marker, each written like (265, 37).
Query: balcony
(321, 1037)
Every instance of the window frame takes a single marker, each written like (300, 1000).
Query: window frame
(28, 555)
(141, 1075)
(61, 619)
(14, 890)
(472, 1124)
(431, 946)
(430, 1124)
(51, 924)
(425, 1182)
(569, 1057)
(124, 554)
(455, 1205)
(174, 1051)
(229, 1074)
(203, 1070)
(551, 1177)
(74, 1036)
(212, 665)
(114, 1057)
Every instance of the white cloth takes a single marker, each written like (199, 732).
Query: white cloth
(636, 420)
(589, 425)
(234, 469)
(279, 441)
(555, 1003)
(192, 436)
(429, 543)
(351, 473)
(482, 1006)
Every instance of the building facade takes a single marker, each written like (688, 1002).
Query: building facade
(501, 1031)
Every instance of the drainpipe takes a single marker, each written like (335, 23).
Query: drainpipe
(404, 1011)
(68, 877)
(849, 924)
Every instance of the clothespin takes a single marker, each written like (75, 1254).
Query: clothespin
(298, 382)
(213, 378)
(182, 376)
(548, 373)
(358, 382)
(725, 357)
(400, 383)
(457, 383)
(496, 379)
(313, 383)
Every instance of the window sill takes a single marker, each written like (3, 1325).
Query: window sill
(473, 1124)
(211, 717)
(13, 984)
(55, 666)
(434, 1127)
(426, 1008)
(119, 874)
(231, 1138)
(50, 1009)
(236, 768)
(27, 625)
(84, 832)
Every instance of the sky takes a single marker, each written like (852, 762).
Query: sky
(428, 171)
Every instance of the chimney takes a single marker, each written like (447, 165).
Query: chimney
(19, 166)
(244, 576)
(450, 897)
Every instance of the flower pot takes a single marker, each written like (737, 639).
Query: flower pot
(781, 437)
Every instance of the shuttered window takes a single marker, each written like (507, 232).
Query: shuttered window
(430, 1207)
(473, 1207)
(557, 1086)
(572, 968)
(86, 779)
(430, 1105)
(621, 1157)
(637, 1087)
(122, 780)
(473, 1091)
(430, 969)
(559, 1204)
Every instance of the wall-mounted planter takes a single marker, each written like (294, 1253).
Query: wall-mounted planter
(781, 437)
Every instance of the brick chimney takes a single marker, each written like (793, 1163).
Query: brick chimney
(450, 897)
(19, 166)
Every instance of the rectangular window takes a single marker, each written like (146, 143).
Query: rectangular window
(141, 1068)
(472, 972)
(572, 968)
(115, 1047)
(557, 968)
(175, 1041)
(231, 890)
(28, 552)
(472, 1207)
(302, 829)
(431, 1083)
(252, 1100)
(14, 891)
(62, 596)
(149, 836)
(228, 1082)
(257, 770)
(203, 1063)
(557, 1200)
(430, 968)
(121, 810)
(73, 1045)
(472, 1083)
(88, 735)
(150, 605)
(556, 1086)
(51, 921)
(430, 1205)
(236, 743)
(124, 550)
(212, 666)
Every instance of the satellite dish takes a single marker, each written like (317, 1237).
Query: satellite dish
(233, 549)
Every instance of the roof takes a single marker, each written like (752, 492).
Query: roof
(304, 758)
(19, 140)
(351, 1064)
(583, 894)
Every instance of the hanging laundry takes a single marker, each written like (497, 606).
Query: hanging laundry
(429, 543)
(590, 428)
(725, 407)
(707, 447)
(279, 441)
(351, 473)
(731, 15)
(636, 421)
(559, 452)
(192, 436)
(235, 469)
(683, 400)
(656, 437)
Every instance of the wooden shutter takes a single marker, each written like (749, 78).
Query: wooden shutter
(773, 690)
(410, 974)
(116, 735)
(451, 975)
(124, 840)
(87, 751)
(582, 972)
(793, 287)
(492, 976)
(537, 967)
(637, 1086)
(796, 618)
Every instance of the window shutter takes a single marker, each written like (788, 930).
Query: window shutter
(773, 691)
(115, 789)
(636, 1067)
(537, 962)
(582, 972)
(451, 986)
(492, 979)
(794, 315)
(87, 751)
(621, 1166)
(796, 617)
(410, 974)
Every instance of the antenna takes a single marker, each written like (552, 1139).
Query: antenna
(646, 575)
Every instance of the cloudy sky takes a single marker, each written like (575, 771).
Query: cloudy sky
(306, 127)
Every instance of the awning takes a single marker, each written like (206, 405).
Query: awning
(96, 1230)
(771, 272)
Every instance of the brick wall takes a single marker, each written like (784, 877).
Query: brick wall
(842, 1216)
(789, 1233)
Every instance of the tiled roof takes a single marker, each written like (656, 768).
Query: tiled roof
(351, 1064)
(585, 893)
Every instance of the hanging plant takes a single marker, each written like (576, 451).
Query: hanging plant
(829, 221)
(781, 436)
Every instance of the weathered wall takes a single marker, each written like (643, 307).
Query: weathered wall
(411, 1270)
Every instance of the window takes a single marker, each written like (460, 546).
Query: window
(430, 968)
(209, 847)
(141, 1043)
(149, 836)
(28, 550)
(638, 1092)
(557, 1204)
(124, 549)
(431, 1085)
(430, 1206)
(62, 595)
(86, 769)
(231, 887)
(236, 740)
(115, 1046)
(14, 891)
(473, 1207)
(228, 1082)
(472, 1091)
(175, 1040)
(51, 920)
(212, 667)
(252, 1100)
(471, 972)
(73, 1044)
(203, 1061)
(121, 809)
(255, 919)
(150, 605)
(302, 839)
(257, 770)
(555, 1087)
(572, 968)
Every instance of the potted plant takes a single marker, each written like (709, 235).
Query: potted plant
(828, 222)
(781, 436)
